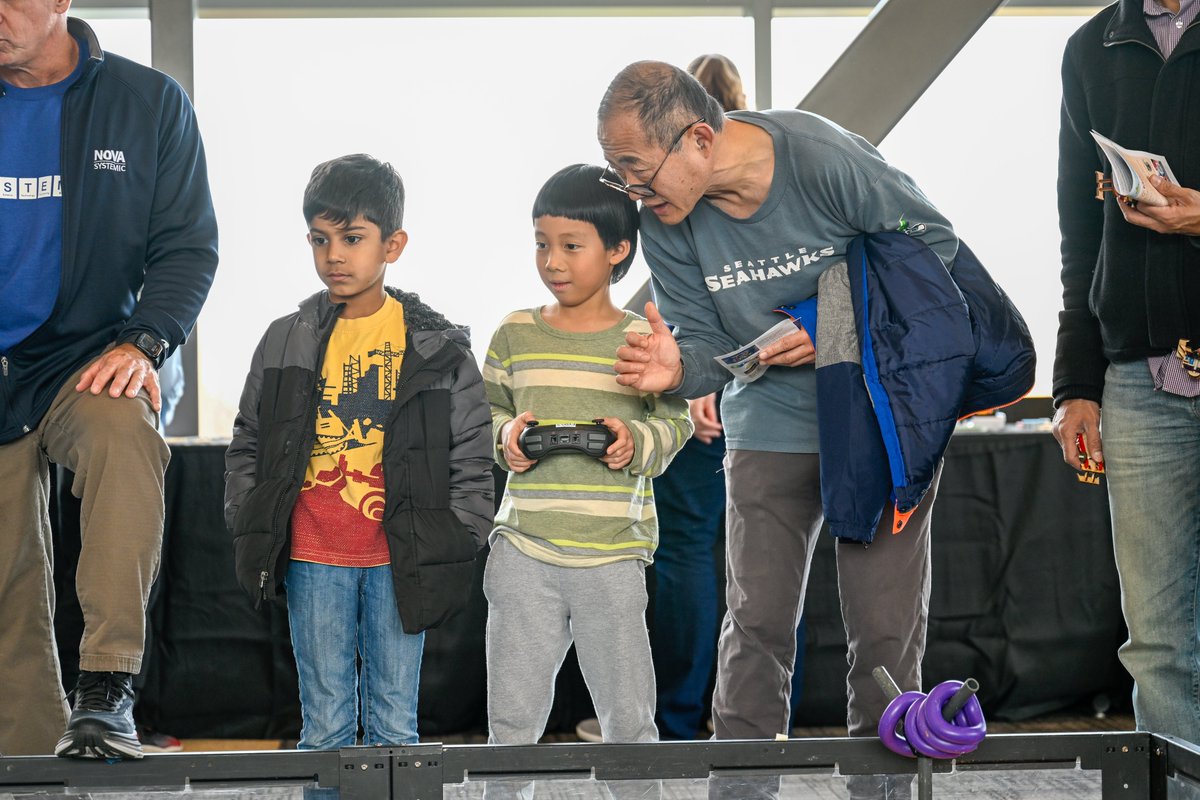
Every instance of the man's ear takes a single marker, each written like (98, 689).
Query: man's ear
(618, 254)
(704, 136)
(395, 245)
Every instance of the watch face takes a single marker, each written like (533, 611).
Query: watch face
(150, 346)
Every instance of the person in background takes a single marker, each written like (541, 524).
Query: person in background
(721, 79)
(1126, 369)
(103, 173)
(374, 531)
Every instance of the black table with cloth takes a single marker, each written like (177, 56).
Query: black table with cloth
(1025, 599)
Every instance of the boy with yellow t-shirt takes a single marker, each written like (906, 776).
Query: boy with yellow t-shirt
(359, 475)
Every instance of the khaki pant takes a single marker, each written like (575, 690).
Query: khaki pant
(119, 458)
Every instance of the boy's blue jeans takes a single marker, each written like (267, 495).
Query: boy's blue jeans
(339, 615)
(1152, 461)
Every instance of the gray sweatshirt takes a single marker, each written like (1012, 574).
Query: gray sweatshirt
(716, 279)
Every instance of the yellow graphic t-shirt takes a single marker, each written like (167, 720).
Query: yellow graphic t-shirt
(338, 518)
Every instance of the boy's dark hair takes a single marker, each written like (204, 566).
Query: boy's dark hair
(343, 188)
(575, 192)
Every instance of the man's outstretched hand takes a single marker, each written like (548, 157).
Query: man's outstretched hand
(650, 362)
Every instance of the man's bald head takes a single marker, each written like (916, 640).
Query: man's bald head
(664, 98)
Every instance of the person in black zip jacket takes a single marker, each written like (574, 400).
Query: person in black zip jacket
(359, 476)
(107, 251)
(1130, 321)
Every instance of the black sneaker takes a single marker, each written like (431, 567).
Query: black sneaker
(101, 725)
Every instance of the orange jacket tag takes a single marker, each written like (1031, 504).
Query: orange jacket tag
(900, 518)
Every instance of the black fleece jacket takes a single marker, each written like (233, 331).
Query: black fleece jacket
(1128, 292)
(139, 245)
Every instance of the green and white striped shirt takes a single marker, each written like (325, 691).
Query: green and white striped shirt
(572, 510)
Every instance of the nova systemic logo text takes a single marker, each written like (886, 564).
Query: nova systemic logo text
(111, 160)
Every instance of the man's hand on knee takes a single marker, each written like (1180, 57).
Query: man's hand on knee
(124, 370)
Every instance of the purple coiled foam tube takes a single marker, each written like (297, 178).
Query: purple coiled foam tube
(946, 723)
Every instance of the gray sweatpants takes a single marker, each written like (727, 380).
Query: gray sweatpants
(773, 518)
(535, 611)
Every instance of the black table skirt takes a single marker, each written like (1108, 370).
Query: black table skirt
(1025, 599)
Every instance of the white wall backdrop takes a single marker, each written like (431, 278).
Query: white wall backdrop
(474, 113)
(129, 37)
(477, 113)
(983, 142)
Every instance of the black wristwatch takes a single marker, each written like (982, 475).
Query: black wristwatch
(154, 349)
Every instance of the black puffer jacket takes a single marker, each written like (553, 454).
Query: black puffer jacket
(437, 458)
(1128, 292)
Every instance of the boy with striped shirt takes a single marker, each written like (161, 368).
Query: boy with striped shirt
(574, 533)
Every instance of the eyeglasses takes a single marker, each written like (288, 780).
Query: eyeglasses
(643, 190)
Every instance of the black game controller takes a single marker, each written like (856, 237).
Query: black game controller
(591, 439)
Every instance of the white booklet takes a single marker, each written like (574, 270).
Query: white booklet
(743, 362)
(1131, 171)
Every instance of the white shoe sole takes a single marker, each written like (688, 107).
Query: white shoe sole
(89, 739)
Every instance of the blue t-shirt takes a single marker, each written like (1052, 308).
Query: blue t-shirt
(31, 207)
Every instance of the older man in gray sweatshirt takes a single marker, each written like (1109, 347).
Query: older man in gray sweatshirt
(741, 213)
